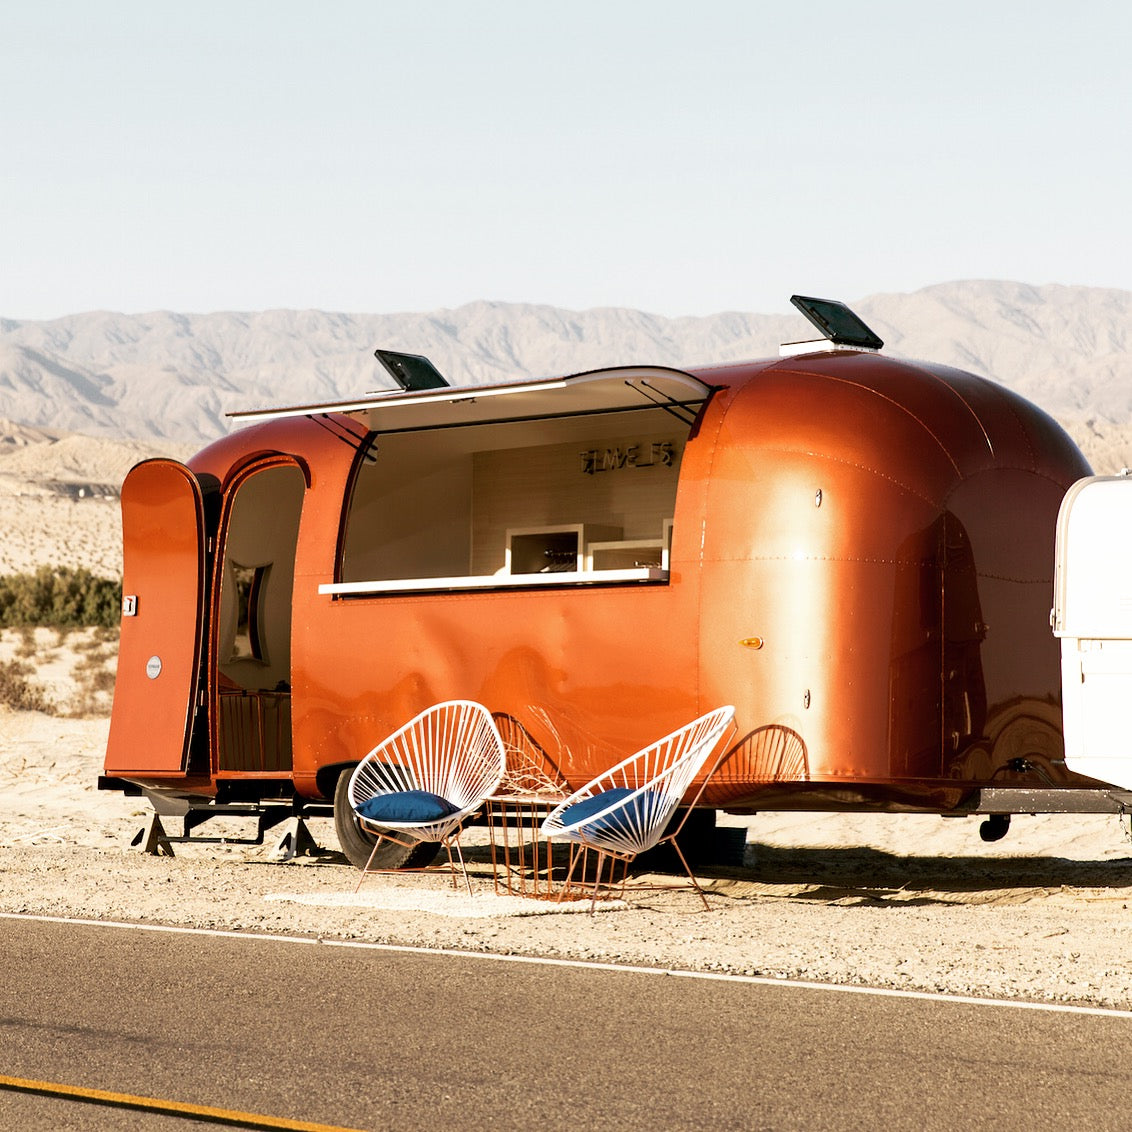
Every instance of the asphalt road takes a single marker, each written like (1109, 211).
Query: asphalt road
(373, 1039)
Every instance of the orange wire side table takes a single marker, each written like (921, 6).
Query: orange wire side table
(521, 860)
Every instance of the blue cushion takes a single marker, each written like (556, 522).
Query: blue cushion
(615, 822)
(587, 807)
(406, 806)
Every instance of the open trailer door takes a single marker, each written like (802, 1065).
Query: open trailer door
(163, 619)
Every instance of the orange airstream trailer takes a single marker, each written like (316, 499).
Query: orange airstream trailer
(856, 551)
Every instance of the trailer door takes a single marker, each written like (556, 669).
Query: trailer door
(163, 619)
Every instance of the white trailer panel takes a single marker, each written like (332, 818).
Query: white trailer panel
(1092, 616)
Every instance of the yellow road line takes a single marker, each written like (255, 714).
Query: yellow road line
(172, 1108)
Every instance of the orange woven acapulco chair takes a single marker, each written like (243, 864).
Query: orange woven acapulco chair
(429, 777)
(626, 810)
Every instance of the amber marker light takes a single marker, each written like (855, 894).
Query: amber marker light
(752, 642)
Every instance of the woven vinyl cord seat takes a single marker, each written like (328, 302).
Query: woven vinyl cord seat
(429, 777)
(625, 811)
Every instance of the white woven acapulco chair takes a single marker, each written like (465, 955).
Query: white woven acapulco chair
(625, 811)
(426, 779)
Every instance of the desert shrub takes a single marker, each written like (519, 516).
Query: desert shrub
(94, 681)
(97, 641)
(17, 692)
(62, 598)
(91, 700)
(27, 647)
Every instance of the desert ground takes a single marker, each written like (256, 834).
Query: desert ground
(896, 901)
(906, 902)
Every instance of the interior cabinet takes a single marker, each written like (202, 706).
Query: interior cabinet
(631, 554)
(556, 549)
(626, 554)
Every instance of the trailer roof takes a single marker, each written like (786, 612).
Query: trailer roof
(601, 391)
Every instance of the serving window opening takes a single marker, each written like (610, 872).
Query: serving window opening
(579, 499)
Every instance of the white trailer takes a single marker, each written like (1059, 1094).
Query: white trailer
(1092, 617)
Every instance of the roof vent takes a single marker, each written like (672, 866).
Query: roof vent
(841, 328)
(413, 372)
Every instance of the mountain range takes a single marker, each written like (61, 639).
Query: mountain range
(170, 378)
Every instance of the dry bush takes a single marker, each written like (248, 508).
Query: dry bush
(17, 692)
(91, 673)
(62, 673)
(98, 636)
(93, 679)
(59, 597)
(28, 646)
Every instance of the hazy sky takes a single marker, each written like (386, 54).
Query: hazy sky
(678, 157)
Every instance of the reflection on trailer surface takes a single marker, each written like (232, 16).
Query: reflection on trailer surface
(856, 551)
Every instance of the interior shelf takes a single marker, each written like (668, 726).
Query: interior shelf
(556, 549)
(626, 554)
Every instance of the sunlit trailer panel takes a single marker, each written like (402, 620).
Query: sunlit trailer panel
(877, 577)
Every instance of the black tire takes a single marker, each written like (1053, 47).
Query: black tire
(357, 843)
(696, 840)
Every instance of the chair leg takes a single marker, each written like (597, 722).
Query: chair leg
(691, 875)
(624, 875)
(576, 854)
(463, 866)
(597, 879)
(451, 864)
(373, 853)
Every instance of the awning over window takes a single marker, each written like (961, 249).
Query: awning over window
(602, 391)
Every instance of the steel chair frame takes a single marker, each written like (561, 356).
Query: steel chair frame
(649, 786)
(452, 750)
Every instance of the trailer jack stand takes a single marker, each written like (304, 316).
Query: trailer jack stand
(287, 824)
(294, 841)
(152, 838)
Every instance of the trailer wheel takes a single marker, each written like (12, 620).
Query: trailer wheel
(697, 842)
(697, 838)
(357, 843)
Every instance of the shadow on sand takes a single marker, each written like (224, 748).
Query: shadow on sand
(873, 875)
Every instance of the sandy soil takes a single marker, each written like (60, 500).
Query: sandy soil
(58, 498)
(909, 902)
